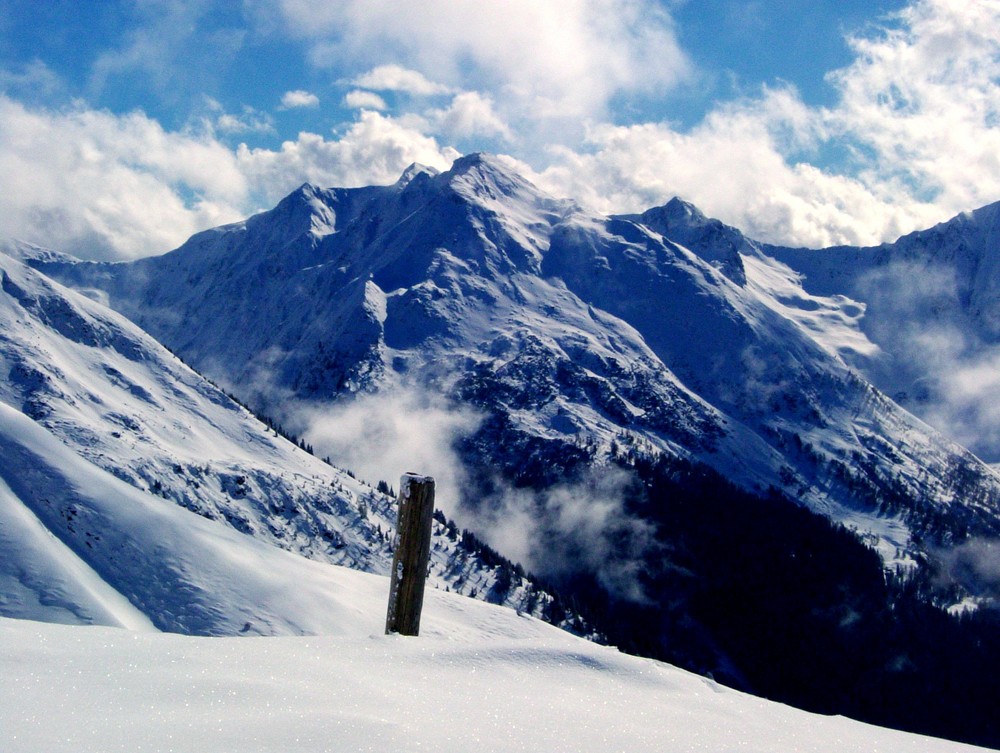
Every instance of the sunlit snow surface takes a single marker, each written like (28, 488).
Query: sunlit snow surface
(479, 678)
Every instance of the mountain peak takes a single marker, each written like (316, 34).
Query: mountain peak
(414, 170)
(308, 209)
(307, 189)
(678, 209)
(486, 178)
(481, 167)
(717, 243)
(477, 160)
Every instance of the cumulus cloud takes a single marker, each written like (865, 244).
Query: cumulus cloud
(299, 98)
(470, 114)
(918, 108)
(563, 59)
(396, 78)
(358, 99)
(918, 112)
(109, 186)
(734, 166)
(374, 150)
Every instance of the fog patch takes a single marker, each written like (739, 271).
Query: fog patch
(381, 436)
(940, 368)
(974, 565)
(581, 526)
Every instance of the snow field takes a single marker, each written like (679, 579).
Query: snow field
(478, 678)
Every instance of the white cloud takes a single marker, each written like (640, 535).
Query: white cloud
(401, 429)
(214, 119)
(383, 436)
(248, 121)
(919, 109)
(396, 78)
(299, 98)
(580, 523)
(470, 114)
(733, 166)
(920, 106)
(107, 186)
(561, 59)
(358, 99)
(923, 102)
(375, 150)
(975, 563)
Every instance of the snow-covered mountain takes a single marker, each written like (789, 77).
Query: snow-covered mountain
(569, 333)
(929, 307)
(110, 447)
(580, 375)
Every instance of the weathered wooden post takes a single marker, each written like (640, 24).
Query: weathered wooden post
(411, 553)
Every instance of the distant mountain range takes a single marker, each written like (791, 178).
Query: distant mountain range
(570, 332)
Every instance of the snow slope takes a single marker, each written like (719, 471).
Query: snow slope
(479, 675)
(931, 307)
(81, 545)
(182, 572)
(95, 410)
(478, 678)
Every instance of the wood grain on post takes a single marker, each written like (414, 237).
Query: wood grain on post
(411, 553)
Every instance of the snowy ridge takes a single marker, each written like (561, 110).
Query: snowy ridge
(133, 420)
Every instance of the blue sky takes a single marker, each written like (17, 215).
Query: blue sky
(734, 47)
(126, 125)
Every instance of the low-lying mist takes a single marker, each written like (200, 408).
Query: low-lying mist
(577, 525)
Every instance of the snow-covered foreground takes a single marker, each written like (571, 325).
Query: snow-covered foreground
(479, 678)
